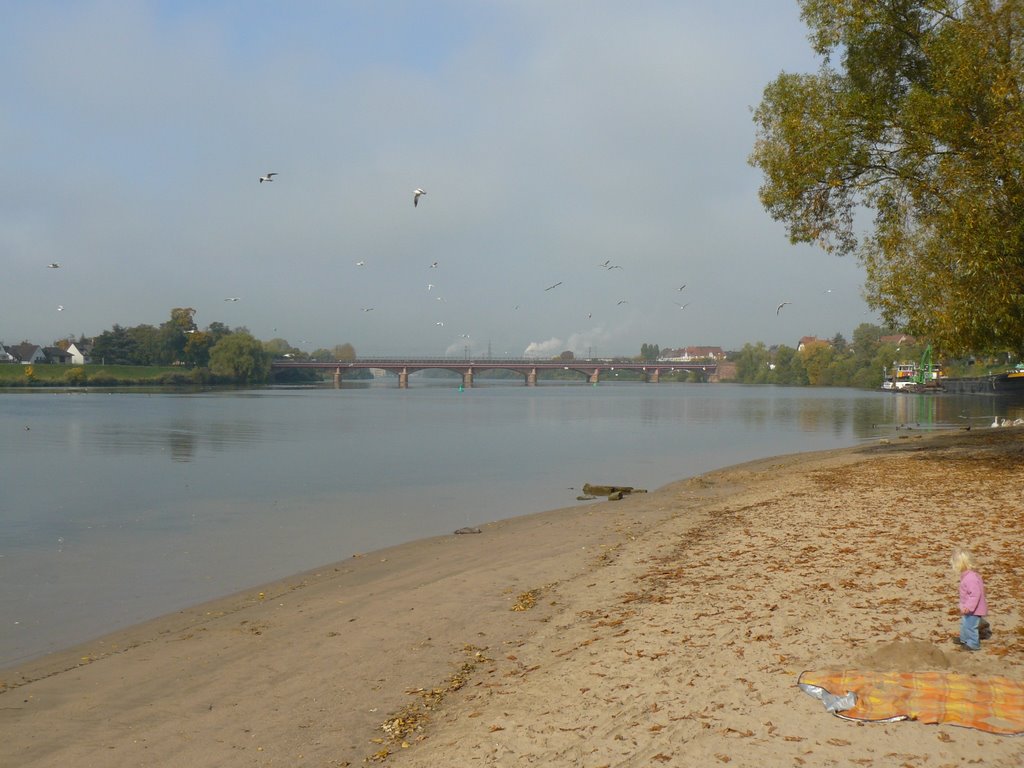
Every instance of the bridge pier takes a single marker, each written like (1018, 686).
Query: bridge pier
(653, 376)
(531, 378)
(467, 378)
(403, 379)
(595, 376)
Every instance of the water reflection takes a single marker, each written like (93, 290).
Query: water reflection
(180, 439)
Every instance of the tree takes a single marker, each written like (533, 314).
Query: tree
(649, 352)
(241, 357)
(921, 122)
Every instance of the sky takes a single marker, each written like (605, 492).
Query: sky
(551, 138)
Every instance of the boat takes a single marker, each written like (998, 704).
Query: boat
(1005, 382)
(925, 376)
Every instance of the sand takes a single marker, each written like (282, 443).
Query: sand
(666, 628)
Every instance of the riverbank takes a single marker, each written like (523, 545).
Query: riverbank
(667, 627)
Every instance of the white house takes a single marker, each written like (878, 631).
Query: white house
(6, 357)
(79, 355)
(27, 353)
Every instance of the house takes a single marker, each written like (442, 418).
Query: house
(56, 355)
(898, 339)
(5, 356)
(27, 353)
(808, 341)
(80, 353)
(687, 354)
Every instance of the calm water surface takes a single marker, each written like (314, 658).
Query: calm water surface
(118, 507)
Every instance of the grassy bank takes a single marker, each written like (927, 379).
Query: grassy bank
(54, 375)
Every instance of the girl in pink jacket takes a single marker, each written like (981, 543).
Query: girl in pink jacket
(972, 599)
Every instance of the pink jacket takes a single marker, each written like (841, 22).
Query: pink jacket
(972, 594)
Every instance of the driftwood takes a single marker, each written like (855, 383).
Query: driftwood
(613, 492)
(469, 530)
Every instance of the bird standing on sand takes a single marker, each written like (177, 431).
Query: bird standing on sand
(416, 195)
(779, 308)
(268, 177)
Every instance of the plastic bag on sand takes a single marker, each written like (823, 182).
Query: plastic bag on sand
(832, 702)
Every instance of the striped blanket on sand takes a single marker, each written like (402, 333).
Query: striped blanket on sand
(993, 704)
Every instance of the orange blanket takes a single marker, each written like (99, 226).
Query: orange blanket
(993, 704)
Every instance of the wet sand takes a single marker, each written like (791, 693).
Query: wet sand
(666, 628)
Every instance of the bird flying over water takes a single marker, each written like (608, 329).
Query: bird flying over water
(779, 308)
(268, 177)
(433, 265)
(605, 263)
(54, 265)
(367, 309)
(683, 306)
(232, 298)
(360, 263)
(60, 307)
(681, 287)
(416, 195)
(621, 301)
(439, 322)
(553, 286)
(430, 286)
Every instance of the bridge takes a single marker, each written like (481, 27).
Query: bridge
(592, 369)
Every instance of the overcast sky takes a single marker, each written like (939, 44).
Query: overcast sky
(550, 137)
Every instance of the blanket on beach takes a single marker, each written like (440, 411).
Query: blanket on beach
(993, 704)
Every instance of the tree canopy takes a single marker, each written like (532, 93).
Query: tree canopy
(915, 116)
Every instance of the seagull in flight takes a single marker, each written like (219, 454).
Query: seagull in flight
(360, 263)
(615, 266)
(416, 195)
(779, 308)
(54, 265)
(232, 298)
(440, 322)
(367, 309)
(681, 287)
(60, 307)
(605, 263)
(267, 177)
(430, 286)
(553, 286)
(433, 265)
(683, 306)
(621, 301)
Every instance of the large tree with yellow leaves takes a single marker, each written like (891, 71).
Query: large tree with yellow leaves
(915, 118)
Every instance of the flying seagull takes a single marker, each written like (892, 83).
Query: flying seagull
(683, 306)
(440, 322)
(232, 298)
(430, 286)
(267, 177)
(360, 263)
(681, 287)
(416, 195)
(54, 265)
(553, 286)
(621, 301)
(60, 307)
(367, 309)
(433, 265)
(605, 263)
(779, 308)
(615, 266)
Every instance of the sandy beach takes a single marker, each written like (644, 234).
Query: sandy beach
(666, 628)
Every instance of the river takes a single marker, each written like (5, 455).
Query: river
(120, 506)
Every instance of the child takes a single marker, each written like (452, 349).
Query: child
(972, 599)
